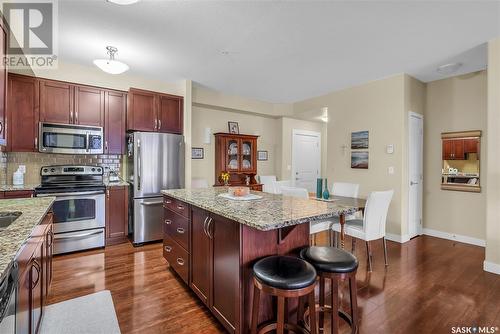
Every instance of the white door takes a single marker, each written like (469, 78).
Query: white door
(415, 173)
(306, 159)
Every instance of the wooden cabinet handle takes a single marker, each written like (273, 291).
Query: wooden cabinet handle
(168, 249)
(37, 267)
(168, 221)
(36, 143)
(180, 207)
(180, 230)
(168, 201)
(159, 124)
(180, 261)
(1, 127)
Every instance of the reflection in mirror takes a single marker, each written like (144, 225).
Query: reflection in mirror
(461, 155)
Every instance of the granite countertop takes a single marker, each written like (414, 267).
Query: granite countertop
(11, 187)
(33, 210)
(120, 183)
(270, 212)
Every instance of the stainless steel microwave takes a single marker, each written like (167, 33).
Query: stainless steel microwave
(70, 139)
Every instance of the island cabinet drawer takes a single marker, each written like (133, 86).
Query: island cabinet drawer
(177, 257)
(176, 206)
(177, 227)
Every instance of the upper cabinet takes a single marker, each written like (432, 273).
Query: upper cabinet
(89, 106)
(156, 112)
(22, 113)
(3, 86)
(114, 131)
(453, 149)
(56, 102)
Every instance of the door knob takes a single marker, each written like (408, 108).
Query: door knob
(413, 183)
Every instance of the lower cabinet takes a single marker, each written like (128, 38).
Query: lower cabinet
(18, 194)
(35, 275)
(116, 215)
(214, 259)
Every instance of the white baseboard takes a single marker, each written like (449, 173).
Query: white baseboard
(455, 237)
(491, 267)
(397, 237)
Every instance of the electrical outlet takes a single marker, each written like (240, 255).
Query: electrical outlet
(390, 170)
(22, 168)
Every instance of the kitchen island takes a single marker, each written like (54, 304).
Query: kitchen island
(212, 243)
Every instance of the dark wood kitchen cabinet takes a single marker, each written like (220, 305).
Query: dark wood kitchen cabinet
(3, 86)
(115, 122)
(200, 255)
(89, 106)
(35, 274)
(116, 215)
(471, 145)
(18, 194)
(56, 102)
(155, 112)
(170, 113)
(23, 113)
(453, 149)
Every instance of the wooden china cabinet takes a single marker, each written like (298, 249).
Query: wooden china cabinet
(237, 155)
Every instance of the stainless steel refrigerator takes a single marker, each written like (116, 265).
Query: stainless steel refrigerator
(155, 162)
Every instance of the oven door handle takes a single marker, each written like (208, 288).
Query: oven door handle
(72, 194)
(76, 236)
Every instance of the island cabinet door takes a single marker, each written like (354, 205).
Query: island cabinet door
(225, 296)
(200, 255)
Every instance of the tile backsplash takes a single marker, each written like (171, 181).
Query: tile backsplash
(9, 163)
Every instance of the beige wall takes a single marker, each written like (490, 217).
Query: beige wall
(454, 104)
(492, 261)
(378, 107)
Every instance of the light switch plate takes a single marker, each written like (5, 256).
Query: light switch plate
(390, 149)
(390, 170)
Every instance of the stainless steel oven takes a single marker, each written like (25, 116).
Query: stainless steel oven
(8, 296)
(70, 139)
(79, 207)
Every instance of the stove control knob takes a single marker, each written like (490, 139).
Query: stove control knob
(45, 170)
(92, 169)
(52, 170)
(99, 170)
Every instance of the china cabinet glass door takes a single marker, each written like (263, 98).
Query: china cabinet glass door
(232, 154)
(247, 155)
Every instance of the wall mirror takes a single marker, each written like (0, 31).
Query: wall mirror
(461, 155)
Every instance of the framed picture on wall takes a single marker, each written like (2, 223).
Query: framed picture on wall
(359, 140)
(359, 159)
(262, 155)
(233, 127)
(197, 153)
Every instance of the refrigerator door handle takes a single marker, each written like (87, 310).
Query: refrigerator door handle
(138, 164)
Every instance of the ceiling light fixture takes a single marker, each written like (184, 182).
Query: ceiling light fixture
(111, 65)
(448, 69)
(123, 2)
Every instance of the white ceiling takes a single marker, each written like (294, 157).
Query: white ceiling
(280, 51)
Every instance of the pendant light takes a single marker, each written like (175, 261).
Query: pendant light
(111, 65)
(123, 2)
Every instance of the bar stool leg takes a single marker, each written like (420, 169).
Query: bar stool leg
(335, 306)
(300, 311)
(281, 316)
(255, 309)
(354, 302)
(312, 317)
(321, 304)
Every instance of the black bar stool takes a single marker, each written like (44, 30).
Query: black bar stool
(283, 277)
(337, 265)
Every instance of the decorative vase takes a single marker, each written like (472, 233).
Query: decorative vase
(319, 188)
(326, 193)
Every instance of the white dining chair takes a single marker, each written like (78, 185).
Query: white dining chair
(345, 189)
(277, 185)
(316, 226)
(372, 226)
(267, 183)
(199, 183)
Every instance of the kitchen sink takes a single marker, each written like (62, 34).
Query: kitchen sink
(7, 218)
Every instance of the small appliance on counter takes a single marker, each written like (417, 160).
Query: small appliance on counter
(18, 177)
(113, 176)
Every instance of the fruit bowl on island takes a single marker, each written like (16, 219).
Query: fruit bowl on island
(238, 191)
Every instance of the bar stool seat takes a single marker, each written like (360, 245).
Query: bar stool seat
(330, 259)
(283, 277)
(336, 265)
(284, 272)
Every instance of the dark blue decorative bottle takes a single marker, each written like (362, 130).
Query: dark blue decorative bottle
(319, 188)
(326, 193)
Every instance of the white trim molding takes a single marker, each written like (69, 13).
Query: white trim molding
(397, 237)
(491, 267)
(455, 237)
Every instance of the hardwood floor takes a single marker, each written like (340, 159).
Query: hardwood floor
(430, 286)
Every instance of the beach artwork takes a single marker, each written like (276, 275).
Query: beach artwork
(359, 159)
(359, 140)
